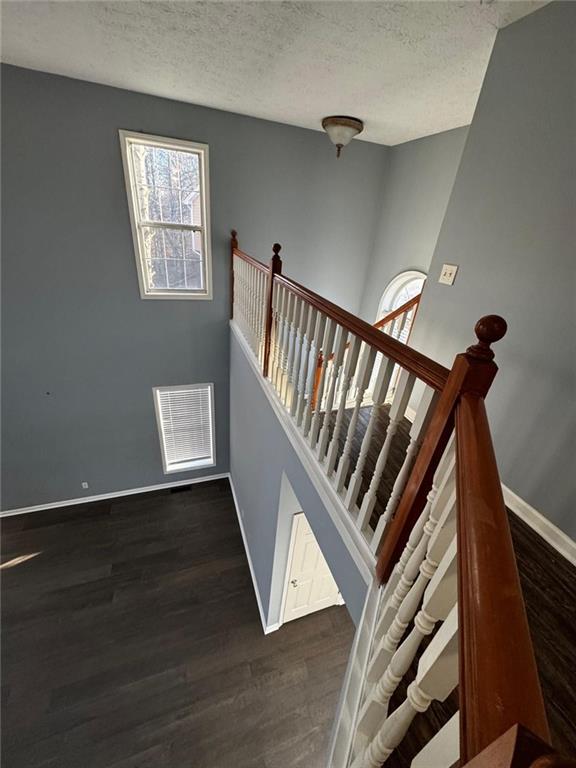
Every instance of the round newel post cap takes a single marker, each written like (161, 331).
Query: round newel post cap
(276, 248)
(488, 329)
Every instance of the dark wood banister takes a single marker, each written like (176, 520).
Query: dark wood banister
(502, 716)
(498, 680)
(427, 370)
(413, 302)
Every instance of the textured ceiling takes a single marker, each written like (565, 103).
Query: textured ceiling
(409, 69)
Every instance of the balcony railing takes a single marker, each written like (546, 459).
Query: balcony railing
(413, 467)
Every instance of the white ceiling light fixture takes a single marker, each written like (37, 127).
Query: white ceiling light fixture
(341, 130)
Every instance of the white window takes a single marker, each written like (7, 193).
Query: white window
(401, 289)
(167, 184)
(185, 418)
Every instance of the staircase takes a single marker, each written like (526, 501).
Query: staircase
(444, 621)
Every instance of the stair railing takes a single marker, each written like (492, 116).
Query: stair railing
(288, 327)
(445, 565)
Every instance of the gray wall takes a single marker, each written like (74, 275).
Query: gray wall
(74, 325)
(418, 181)
(259, 453)
(511, 226)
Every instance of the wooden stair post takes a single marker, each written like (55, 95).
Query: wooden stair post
(472, 371)
(275, 269)
(233, 247)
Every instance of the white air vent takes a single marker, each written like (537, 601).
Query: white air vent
(186, 425)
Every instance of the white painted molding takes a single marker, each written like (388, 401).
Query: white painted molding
(340, 516)
(266, 627)
(114, 495)
(561, 542)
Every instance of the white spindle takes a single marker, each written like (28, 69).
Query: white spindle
(407, 568)
(443, 749)
(417, 432)
(299, 341)
(315, 351)
(292, 337)
(312, 424)
(436, 678)
(307, 346)
(439, 599)
(437, 545)
(276, 327)
(362, 379)
(379, 390)
(335, 373)
(353, 352)
(282, 374)
(397, 411)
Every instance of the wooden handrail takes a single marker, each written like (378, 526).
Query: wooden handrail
(413, 302)
(250, 259)
(502, 716)
(499, 685)
(472, 371)
(427, 370)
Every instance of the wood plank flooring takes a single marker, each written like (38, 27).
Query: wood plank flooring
(131, 639)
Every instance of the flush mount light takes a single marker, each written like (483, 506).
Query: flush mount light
(341, 130)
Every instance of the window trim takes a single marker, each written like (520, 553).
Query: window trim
(395, 286)
(198, 464)
(134, 137)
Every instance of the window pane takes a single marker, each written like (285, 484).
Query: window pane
(173, 258)
(167, 185)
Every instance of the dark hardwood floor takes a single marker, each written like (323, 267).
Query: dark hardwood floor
(131, 639)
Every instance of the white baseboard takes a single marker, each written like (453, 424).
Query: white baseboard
(265, 626)
(115, 494)
(544, 527)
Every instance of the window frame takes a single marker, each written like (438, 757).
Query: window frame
(202, 150)
(394, 287)
(198, 464)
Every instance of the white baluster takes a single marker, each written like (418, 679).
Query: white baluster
(335, 370)
(307, 343)
(275, 332)
(312, 425)
(287, 305)
(292, 332)
(443, 749)
(417, 432)
(353, 352)
(299, 328)
(439, 599)
(315, 351)
(406, 569)
(362, 379)
(379, 391)
(436, 678)
(437, 545)
(397, 410)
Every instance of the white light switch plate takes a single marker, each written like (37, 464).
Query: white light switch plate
(448, 274)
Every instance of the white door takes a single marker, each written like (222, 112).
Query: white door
(310, 585)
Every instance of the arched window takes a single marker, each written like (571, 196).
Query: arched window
(401, 289)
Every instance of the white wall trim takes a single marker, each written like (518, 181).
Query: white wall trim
(561, 542)
(351, 536)
(115, 494)
(265, 626)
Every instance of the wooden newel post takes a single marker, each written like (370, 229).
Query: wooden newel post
(275, 269)
(472, 371)
(233, 246)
